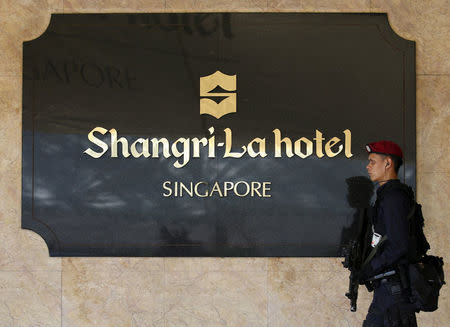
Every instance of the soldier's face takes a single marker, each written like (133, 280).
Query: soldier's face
(376, 167)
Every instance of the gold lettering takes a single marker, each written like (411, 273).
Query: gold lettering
(216, 188)
(262, 148)
(348, 143)
(167, 188)
(211, 144)
(255, 187)
(196, 190)
(196, 146)
(184, 152)
(202, 189)
(228, 145)
(181, 148)
(319, 139)
(114, 142)
(227, 186)
(97, 142)
(144, 151)
(236, 189)
(188, 190)
(266, 189)
(279, 141)
(298, 147)
(155, 147)
(330, 144)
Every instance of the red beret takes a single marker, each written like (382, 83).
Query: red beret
(385, 147)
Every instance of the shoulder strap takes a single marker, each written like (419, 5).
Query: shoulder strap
(412, 211)
(374, 251)
(411, 220)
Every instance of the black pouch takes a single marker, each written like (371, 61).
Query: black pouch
(426, 279)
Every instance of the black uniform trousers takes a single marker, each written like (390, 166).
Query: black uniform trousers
(390, 306)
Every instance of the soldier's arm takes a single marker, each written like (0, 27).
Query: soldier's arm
(395, 208)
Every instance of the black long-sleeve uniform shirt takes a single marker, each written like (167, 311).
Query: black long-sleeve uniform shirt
(390, 218)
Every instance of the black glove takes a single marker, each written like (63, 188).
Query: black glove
(365, 273)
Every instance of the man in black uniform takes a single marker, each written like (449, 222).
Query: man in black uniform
(390, 305)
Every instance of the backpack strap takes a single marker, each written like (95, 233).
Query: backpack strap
(411, 222)
(374, 251)
(412, 211)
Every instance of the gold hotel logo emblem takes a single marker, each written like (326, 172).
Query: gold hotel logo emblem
(217, 94)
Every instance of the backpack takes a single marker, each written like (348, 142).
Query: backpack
(426, 278)
(425, 272)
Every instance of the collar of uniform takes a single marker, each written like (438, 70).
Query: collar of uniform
(390, 183)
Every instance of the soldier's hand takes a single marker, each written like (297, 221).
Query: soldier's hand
(364, 274)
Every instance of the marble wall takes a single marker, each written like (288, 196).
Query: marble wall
(36, 290)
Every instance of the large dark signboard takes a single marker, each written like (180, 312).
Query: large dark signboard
(209, 134)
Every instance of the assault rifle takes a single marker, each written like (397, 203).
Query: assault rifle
(350, 262)
(360, 190)
(354, 255)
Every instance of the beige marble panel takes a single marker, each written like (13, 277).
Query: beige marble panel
(439, 318)
(316, 265)
(30, 298)
(118, 264)
(26, 24)
(23, 250)
(215, 5)
(105, 6)
(150, 6)
(319, 5)
(433, 192)
(442, 316)
(309, 298)
(16, 27)
(433, 123)
(10, 54)
(216, 264)
(431, 319)
(427, 23)
(216, 299)
(10, 135)
(112, 292)
(29, 7)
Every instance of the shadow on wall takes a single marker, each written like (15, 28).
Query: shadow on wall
(360, 191)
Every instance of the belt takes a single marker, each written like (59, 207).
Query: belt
(384, 276)
(387, 277)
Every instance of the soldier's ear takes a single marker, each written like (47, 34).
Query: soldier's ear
(388, 162)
